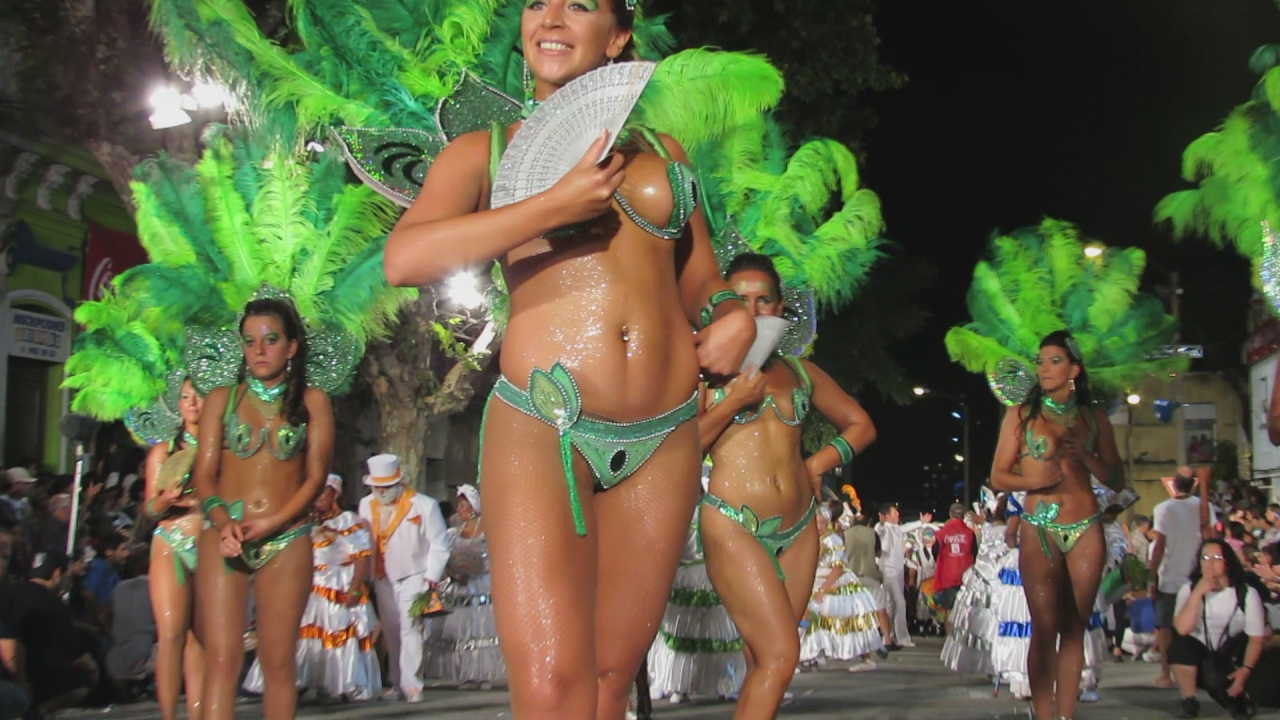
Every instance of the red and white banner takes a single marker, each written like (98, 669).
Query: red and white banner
(107, 254)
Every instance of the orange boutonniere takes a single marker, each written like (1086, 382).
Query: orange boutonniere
(416, 519)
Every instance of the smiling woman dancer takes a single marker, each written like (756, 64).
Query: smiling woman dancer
(1050, 446)
(179, 657)
(758, 527)
(598, 356)
(265, 446)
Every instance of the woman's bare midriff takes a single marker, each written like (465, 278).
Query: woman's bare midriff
(605, 304)
(759, 464)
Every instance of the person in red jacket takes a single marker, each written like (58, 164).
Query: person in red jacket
(957, 548)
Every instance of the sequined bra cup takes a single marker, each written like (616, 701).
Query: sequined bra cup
(1038, 445)
(238, 436)
(800, 398)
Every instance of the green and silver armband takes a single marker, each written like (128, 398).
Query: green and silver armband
(843, 447)
(211, 503)
(718, 297)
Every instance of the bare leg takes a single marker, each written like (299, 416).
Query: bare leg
(544, 576)
(193, 674)
(800, 565)
(1043, 579)
(224, 604)
(1164, 638)
(743, 576)
(288, 574)
(171, 605)
(1186, 677)
(1084, 571)
(642, 523)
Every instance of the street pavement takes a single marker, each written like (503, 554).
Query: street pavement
(910, 685)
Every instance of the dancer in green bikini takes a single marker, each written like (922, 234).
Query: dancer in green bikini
(265, 446)
(758, 528)
(1049, 447)
(179, 657)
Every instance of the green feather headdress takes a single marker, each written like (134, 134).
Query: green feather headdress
(804, 207)
(1236, 171)
(256, 210)
(1037, 281)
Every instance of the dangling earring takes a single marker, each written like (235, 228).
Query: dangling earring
(1071, 383)
(288, 368)
(610, 61)
(529, 102)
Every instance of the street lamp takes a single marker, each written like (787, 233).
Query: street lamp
(1134, 398)
(963, 416)
(1093, 250)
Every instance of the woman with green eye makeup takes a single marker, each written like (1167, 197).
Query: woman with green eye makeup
(264, 451)
(759, 531)
(590, 457)
(1049, 447)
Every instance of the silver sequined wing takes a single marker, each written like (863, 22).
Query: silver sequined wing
(332, 356)
(213, 357)
(393, 161)
(1269, 267)
(1011, 381)
(475, 106)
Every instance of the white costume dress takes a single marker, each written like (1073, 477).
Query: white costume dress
(843, 625)
(411, 547)
(698, 650)
(335, 647)
(973, 626)
(463, 646)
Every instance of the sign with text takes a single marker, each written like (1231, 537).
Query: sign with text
(37, 336)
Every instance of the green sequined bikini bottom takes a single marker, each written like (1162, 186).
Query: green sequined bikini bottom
(613, 450)
(1044, 520)
(767, 532)
(258, 553)
(184, 550)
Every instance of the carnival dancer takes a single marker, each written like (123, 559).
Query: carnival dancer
(265, 447)
(973, 628)
(172, 504)
(842, 611)
(698, 650)
(758, 527)
(410, 550)
(335, 654)
(599, 374)
(463, 645)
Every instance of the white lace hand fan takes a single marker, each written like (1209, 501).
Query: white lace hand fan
(558, 133)
(770, 332)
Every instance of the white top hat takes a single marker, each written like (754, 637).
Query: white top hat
(334, 481)
(384, 471)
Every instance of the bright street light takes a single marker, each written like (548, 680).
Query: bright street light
(208, 94)
(956, 415)
(1092, 251)
(959, 458)
(167, 103)
(1134, 398)
(919, 391)
(462, 290)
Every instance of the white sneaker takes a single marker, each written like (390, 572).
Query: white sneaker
(787, 698)
(864, 666)
(413, 696)
(677, 698)
(908, 644)
(1090, 695)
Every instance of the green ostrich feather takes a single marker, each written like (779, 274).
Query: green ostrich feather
(216, 232)
(1038, 281)
(1235, 169)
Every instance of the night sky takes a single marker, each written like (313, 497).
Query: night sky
(1018, 110)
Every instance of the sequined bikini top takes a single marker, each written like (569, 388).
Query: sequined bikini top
(1038, 445)
(238, 436)
(684, 187)
(800, 398)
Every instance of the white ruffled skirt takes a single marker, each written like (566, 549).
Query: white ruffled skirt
(335, 650)
(462, 646)
(698, 650)
(843, 626)
(973, 627)
(1013, 632)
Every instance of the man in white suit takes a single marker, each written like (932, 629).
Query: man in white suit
(410, 550)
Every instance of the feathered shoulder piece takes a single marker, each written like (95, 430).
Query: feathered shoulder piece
(256, 211)
(1039, 280)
